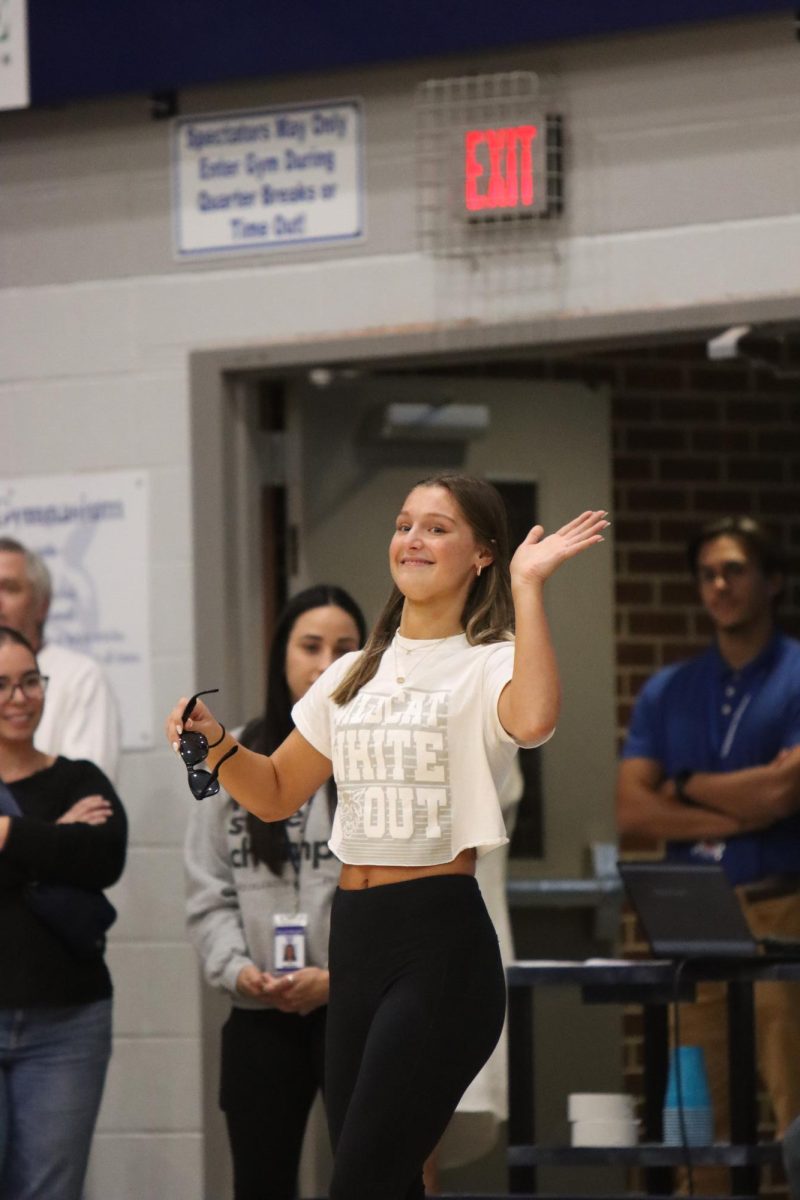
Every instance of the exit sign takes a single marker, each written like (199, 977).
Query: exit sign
(505, 170)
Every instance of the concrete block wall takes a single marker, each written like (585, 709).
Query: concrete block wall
(82, 398)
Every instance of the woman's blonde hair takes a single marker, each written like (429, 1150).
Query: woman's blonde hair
(488, 614)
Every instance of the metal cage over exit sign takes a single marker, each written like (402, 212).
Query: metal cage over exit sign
(490, 156)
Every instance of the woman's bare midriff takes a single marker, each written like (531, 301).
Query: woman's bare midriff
(357, 877)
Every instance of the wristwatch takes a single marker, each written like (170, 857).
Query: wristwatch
(680, 780)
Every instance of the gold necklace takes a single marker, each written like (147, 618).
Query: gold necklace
(428, 650)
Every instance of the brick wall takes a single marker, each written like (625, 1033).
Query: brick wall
(693, 441)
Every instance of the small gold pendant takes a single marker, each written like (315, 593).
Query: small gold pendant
(400, 678)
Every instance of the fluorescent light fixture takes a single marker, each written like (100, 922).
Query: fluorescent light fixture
(726, 345)
(433, 421)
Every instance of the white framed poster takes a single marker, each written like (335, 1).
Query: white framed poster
(92, 531)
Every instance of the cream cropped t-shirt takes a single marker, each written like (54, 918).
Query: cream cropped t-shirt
(419, 764)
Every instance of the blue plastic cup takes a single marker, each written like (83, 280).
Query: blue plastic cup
(687, 1089)
(687, 1070)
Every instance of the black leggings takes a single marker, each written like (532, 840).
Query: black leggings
(271, 1070)
(416, 1007)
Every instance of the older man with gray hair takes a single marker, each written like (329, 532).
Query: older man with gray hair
(81, 717)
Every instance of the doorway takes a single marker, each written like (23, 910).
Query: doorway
(333, 488)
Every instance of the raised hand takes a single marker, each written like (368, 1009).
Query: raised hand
(538, 556)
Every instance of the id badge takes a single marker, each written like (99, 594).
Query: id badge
(289, 942)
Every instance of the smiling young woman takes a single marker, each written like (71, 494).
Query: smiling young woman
(420, 730)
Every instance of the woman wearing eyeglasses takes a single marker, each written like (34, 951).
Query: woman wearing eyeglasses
(60, 823)
(258, 905)
(420, 731)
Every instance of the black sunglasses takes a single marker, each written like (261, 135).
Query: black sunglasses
(193, 749)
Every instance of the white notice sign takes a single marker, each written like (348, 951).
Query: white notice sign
(268, 178)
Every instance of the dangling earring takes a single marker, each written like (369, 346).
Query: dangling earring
(480, 568)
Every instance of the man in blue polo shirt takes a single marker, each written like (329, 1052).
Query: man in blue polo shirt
(711, 766)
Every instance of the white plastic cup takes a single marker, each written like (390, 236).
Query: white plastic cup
(600, 1106)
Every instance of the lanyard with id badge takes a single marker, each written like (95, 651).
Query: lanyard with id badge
(289, 929)
(715, 850)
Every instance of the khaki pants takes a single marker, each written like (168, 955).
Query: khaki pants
(777, 1010)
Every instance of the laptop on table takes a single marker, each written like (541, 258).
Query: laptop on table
(688, 911)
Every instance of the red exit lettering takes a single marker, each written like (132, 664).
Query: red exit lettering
(498, 168)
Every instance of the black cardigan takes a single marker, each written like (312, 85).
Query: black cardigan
(36, 967)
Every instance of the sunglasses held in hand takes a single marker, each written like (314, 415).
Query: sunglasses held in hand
(193, 749)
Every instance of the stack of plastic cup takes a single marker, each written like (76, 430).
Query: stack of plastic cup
(687, 1089)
